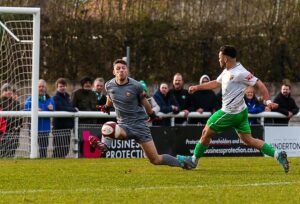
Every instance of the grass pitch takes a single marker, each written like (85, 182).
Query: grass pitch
(216, 180)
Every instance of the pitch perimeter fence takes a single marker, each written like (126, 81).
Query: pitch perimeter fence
(176, 139)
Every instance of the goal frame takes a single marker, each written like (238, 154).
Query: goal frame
(36, 16)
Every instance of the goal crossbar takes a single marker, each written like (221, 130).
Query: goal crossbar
(20, 10)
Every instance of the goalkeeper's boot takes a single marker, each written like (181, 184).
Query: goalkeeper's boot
(96, 143)
(282, 159)
(187, 162)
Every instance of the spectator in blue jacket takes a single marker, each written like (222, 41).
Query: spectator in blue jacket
(46, 103)
(254, 106)
(62, 126)
(167, 103)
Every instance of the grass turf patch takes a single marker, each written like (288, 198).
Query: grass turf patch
(216, 180)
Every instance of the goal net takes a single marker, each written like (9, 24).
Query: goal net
(19, 75)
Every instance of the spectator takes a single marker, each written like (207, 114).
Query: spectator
(155, 107)
(45, 103)
(15, 94)
(62, 126)
(85, 100)
(203, 101)
(182, 96)
(98, 89)
(286, 105)
(167, 103)
(13, 124)
(254, 106)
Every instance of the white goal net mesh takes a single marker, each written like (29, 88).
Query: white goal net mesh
(16, 44)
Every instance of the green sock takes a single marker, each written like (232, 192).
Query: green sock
(199, 150)
(268, 150)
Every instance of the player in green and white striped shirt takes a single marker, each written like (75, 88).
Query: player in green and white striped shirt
(233, 80)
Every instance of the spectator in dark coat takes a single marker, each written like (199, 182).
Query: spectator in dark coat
(85, 100)
(286, 105)
(62, 127)
(203, 101)
(182, 96)
(167, 103)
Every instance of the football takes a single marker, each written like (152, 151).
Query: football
(111, 129)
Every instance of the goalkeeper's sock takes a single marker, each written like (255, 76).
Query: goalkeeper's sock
(268, 150)
(106, 141)
(199, 151)
(170, 160)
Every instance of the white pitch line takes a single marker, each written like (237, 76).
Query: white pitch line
(90, 190)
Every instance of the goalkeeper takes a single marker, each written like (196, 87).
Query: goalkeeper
(128, 99)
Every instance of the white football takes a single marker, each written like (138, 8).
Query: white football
(111, 129)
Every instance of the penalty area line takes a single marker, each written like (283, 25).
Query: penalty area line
(83, 190)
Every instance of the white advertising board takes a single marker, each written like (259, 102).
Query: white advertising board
(284, 138)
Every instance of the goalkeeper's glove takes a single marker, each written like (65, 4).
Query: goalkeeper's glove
(104, 109)
(153, 117)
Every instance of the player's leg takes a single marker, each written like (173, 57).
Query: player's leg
(266, 149)
(218, 122)
(156, 159)
(192, 161)
(244, 133)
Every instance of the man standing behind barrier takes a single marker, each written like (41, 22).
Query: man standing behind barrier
(286, 105)
(167, 103)
(203, 101)
(132, 110)
(62, 127)
(233, 80)
(46, 103)
(98, 90)
(182, 96)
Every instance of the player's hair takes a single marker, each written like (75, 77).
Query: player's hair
(119, 61)
(228, 50)
(62, 81)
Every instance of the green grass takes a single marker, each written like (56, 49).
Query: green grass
(216, 180)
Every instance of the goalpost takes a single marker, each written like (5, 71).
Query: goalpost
(19, 68)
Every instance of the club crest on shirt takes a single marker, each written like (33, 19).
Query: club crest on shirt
(249, 77)
(231, 77)
(127, 94)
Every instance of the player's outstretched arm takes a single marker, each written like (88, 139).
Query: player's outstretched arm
(265, 94)
(209, 85)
